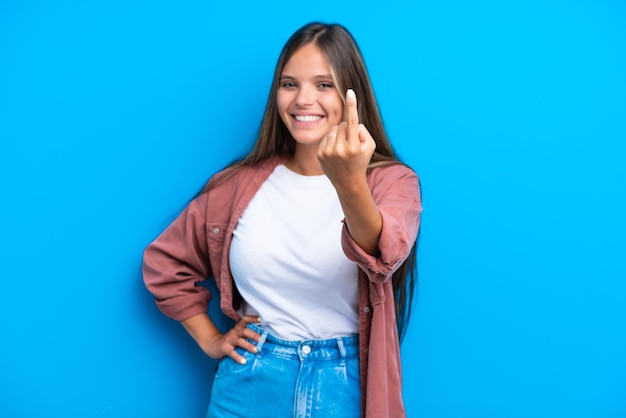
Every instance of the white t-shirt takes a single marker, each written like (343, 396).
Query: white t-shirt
(287, 261)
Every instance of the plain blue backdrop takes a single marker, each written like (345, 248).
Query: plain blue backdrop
(114, 113)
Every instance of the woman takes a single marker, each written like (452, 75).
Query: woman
(311, 239)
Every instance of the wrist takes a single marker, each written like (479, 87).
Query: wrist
(204, 333)
(352, 187)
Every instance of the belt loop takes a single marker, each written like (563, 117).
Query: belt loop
(342, 351)
(259, 345)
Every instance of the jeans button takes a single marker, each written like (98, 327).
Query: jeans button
(306, 349)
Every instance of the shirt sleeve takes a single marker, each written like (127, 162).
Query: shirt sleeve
(176, 261)
(396, 192)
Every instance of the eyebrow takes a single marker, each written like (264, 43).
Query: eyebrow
(318, 77)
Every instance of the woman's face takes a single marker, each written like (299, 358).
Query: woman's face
(308, 101)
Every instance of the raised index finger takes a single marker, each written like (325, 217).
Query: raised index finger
(353, 116)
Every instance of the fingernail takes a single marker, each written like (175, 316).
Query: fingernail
(256, 350)
(351, 94)
(258, 319)
(242, 361)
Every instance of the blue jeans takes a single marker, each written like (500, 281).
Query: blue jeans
(299, 379)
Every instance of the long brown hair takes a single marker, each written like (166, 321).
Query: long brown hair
(349, 71)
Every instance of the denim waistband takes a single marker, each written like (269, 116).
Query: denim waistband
(333, 348)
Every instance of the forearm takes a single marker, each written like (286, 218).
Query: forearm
(363, 219)
(203, 331)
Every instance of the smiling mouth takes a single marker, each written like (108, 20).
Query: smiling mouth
(307, 118)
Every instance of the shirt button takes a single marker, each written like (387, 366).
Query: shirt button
(366, 309)
(306, 349)
(216, 230)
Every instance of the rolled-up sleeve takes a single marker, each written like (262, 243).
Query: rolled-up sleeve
(396, 192)
(176, 261)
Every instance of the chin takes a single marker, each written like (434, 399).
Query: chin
(307, 140)
(306, 137)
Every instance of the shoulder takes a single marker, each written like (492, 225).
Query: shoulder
(394, 168)
(239, 173)
(236, 182)
(393, 176)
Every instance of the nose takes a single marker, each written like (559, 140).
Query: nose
(306, 96)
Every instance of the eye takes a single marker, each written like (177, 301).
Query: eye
(287, 84)
(325, 86)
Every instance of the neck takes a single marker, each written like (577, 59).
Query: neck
(304, 161)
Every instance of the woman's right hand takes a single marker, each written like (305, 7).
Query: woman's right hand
(224, 344)
(217, 345)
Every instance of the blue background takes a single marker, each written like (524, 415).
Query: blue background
(114, 113)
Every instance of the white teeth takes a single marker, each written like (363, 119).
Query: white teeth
(307, 118)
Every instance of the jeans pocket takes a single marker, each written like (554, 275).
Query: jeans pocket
(228, 366)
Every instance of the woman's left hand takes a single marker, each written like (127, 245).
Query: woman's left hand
(344, 155)
(345, 152)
